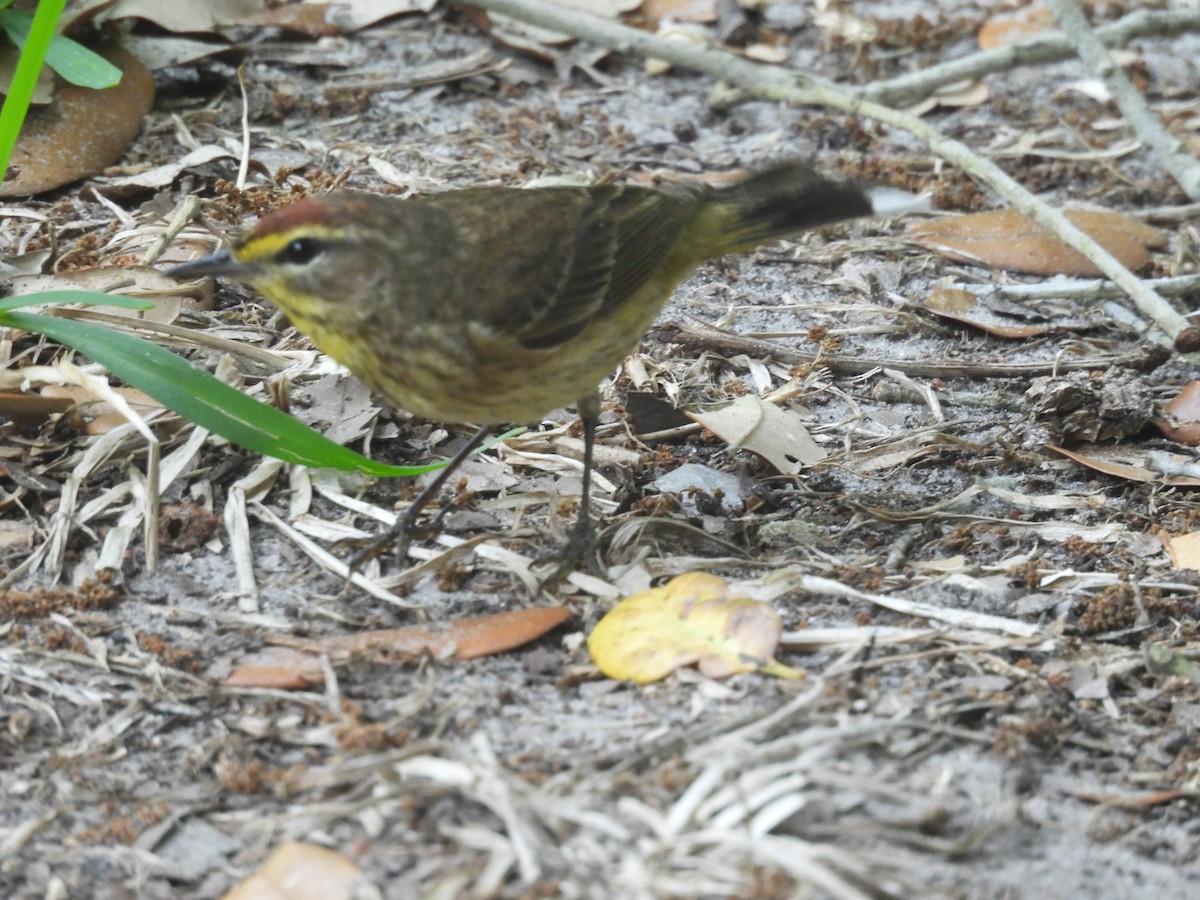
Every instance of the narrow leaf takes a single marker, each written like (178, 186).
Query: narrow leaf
(83, 298)
(73, 61)
(203, 399)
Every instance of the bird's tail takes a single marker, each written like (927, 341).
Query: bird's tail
(789, 198)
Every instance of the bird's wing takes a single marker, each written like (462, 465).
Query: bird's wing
(558, 258)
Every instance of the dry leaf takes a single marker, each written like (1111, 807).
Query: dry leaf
(840, 23)
(315, 18)
(188, 18)
(83, 131)
(1183, 416)
(43, 91)
(92, 414)
(1130, 464)
(1184, 550)
(966, 307)
(952, 96)
(132, 281)
(458, 639)
(278, 668)
(161, 176)
(1006, 239)
(999, 31)
(25, 410)
(692, 619)
(777, 435)
(538, 41)
(703, 12)
(297, 871)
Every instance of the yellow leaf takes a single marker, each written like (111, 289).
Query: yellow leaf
(691, 619)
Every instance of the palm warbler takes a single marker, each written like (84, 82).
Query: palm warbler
(494, 305)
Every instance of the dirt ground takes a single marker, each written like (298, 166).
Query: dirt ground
(1046, 748)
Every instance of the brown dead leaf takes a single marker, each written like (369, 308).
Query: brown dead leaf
(456, 639)
(92, 414)
(82, 131)
(1182, 424)
(1006, 239)
(1126, 463)
(1000, 31)
(965, 307)
(278, 668)
(691, 619)
(297, 871)
(26, 410)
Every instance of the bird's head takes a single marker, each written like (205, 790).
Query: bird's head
(302, 256)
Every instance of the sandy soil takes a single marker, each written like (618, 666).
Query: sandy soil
(918, 758)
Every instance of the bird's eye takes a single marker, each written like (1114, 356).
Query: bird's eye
(300, 251)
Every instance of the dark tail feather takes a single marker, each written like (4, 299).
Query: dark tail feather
(791, 198)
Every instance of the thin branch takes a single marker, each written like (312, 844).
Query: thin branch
(1169, 149)
(1089, 289)
(904, 90)
(774, 83)
(1144, 359)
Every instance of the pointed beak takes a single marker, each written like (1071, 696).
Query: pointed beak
(221, 263)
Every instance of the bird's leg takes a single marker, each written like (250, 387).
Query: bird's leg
(582, 532)
(401, 533)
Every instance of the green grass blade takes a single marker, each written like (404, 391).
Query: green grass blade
(73, 61)
(24, 79)
(203, 399)
(83, 298)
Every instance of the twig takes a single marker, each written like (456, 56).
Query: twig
(1091, 50)
(1146, 358)
(907, 89)
(774, 83)
(1090, 289)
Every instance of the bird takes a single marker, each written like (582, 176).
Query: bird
(496, 305)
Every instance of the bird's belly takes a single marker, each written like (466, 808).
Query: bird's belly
(473, 374)
(489, 381)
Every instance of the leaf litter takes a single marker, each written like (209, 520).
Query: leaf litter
(983, 649)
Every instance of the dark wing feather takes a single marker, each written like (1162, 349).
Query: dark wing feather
(542, 264)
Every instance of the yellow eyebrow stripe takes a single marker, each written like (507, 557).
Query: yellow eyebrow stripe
(255, 248)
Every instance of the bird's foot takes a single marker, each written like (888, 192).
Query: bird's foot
(572, 557)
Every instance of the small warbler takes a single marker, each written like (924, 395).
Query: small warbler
(497, 305)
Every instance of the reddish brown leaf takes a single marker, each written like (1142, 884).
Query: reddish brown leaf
(459, 638)
(295, 667)
(1183, 416)
(82, 131)
(280, 668)
(25, 409)
(1006, 239)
